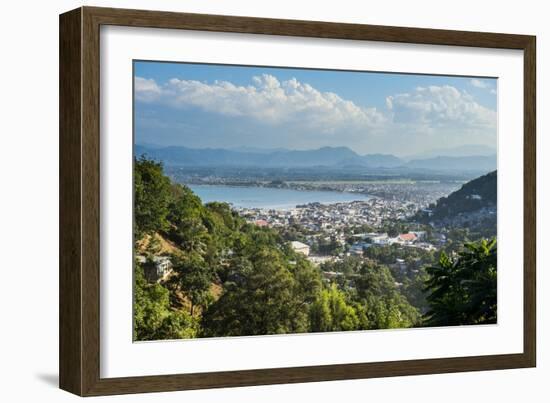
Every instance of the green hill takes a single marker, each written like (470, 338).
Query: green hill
(233, 278)
(472, 196)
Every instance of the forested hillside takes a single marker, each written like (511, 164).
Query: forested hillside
(233, 278)
(472, 208)
(474, 195)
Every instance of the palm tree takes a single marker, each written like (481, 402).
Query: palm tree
(463, 289)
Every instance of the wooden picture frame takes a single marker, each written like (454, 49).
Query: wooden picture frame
(79, 346)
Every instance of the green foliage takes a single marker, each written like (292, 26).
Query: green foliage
(153, 317)
(394, 228)
(263, 293)
(328, 247)
(260, 297)
(261, 286)
(413, 289)
(294, 232)
(463, 288)
(331, 312)
(151, 197)
(387, 254)
(386, 307)
(194, 277)
(371, 290)
(462, 201)
(187, 229)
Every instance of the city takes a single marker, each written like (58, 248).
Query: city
(297, 201)
(353, 227)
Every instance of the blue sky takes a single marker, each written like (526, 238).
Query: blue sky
(198, 105)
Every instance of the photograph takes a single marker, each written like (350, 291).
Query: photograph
(272, 200)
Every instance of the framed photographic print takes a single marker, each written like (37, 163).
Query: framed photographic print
(249, 201)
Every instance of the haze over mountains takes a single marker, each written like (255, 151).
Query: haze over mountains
(333, 157)
(467, 150)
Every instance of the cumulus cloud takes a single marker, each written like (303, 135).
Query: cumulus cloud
(267, 100)
(299, 114)
(484, 84)
(437, 107)
(146, 89)
(474, 82)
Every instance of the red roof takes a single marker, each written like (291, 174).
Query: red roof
(261, 223)
(407, 237)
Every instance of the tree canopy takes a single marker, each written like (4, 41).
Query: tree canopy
(233, 278)
(463, 288)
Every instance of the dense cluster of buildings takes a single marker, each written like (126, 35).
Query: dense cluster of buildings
(419, 193)
(413, 239)
(331, 222)
(332, 217)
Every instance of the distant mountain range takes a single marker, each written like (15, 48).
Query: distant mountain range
(333, 157)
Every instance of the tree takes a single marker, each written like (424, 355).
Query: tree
(329, 247)
(194, 278)
(385, 306)
(151, 197)
(463, 289)
(331, 312)
(307, 286)
(185, 214)
(258, 299)
(153, 317)
(413, 289)
(264, 286)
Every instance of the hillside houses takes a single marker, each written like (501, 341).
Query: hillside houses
(300, 247)
(380, 239)
(330, 223)
(331, 217)
(155, 269)
(407, 239)
(358, 247)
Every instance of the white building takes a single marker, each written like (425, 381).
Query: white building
(380, 239)
(407, 239)
(300, 247)
(318, 260)
(156, 268)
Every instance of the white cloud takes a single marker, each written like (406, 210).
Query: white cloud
(478, 83)
(299, 114)
(146, 89)
(267, 100)
(483, 84)
(440, 107)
